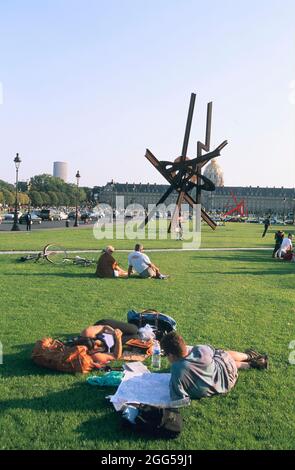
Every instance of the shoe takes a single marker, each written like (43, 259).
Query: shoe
(260, 362)
(252, 354)
(163, 276)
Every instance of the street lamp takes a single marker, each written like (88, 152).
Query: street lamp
(284, 200)
(112, 197)
(78, 176)
(28, 191)
(134, 193)
(17, 162)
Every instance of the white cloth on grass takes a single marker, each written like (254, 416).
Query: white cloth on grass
(144, 387)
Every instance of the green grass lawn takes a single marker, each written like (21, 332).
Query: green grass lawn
(232, 235)
(227, 299)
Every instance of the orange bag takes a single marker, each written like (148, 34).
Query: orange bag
(145, 345)
(53, 354)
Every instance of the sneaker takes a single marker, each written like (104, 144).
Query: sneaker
(260, 362)
(252, 354)
(163, 276)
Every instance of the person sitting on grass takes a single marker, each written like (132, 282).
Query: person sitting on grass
(202, 371)
(141, 263)
(107, 266)
(285, 250)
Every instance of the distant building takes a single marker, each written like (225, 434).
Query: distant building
(214, 172)
(259, 201)
(60, 170)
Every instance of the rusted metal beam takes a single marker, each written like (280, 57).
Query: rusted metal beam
(188, 126)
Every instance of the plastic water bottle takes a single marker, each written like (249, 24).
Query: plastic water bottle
(156, 357)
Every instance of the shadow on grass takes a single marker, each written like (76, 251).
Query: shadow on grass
(258, 258)
(54, 274)
(74, 275)
(113, 430)
(78, 397)
(20, 364)
(238, 256)
(244, 272)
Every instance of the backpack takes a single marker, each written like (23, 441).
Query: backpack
(288, 256)
(53, 354)
(161, 323)
(157, 422)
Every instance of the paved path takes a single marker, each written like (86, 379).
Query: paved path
(164, 250)
(45, 225)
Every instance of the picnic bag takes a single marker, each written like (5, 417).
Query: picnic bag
(53, 354)
(159, 422)
(160, 322)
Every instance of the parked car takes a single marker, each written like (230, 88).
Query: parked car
(63, 215)
(9, 217)
(51, 214)
(233, 219)
(59, 215)
(46, 214)
(253, 221)
(86, 216)
(72, 215)
(34, 218)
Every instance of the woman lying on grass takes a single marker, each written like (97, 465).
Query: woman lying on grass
(104, 340)
(202, 371)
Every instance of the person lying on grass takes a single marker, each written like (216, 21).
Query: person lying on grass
(202, 371)
(101, 347)
(141, 263)
(107, 266)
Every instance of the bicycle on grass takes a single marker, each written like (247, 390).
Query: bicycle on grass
(58, 255)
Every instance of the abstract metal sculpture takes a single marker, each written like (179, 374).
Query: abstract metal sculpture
(239, 207)
(184, 174)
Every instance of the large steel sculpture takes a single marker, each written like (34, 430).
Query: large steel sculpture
(185, 175)
(239, 208)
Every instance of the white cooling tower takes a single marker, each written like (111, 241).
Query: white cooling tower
(60, 170)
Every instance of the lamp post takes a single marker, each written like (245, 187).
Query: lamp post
(284, 201)
(17, 162)
(28, 190)
(78, 176)
(113, 189)
(293, 210)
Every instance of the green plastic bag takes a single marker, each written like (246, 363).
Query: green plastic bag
(109, 379)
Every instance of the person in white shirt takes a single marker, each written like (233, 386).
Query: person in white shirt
(141, 263)
(286, 246)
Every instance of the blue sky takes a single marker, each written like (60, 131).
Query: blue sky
(95, 83)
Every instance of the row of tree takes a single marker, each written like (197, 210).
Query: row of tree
(8, 198)
(44, 190)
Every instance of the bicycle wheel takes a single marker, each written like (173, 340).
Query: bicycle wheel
(55, 254)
